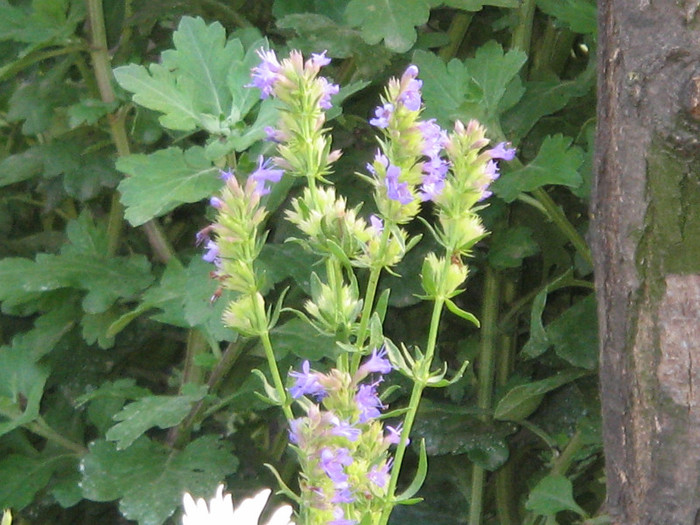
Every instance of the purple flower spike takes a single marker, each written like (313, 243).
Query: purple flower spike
(379, 475)
(394, 434)
(377, 363)
(339, 516)
(264, 174)
(343, 495)
(306, 383)
(320, 59)
(333, 463)
(382, 115)
(328, 91)
(502, 151)
(225, 175)
(411, 97)
(216, 202)
(432, 186)
(491, 170)
(368, 402)
(266, 74)
(434, 137)
(395, 190)
(345, 429)
(294, 427)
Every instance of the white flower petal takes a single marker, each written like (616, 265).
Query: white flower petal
(249, 510)
(281, 516)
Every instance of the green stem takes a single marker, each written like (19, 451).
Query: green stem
(368, 304)
(276, 378)
(563, 461)
(416, 394)
(10, 70)
(555, 213)
(41, 428)
(487, 358)
(522, 33)
(103, 74)
(456, 33)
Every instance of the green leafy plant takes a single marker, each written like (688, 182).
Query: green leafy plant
(121, 388)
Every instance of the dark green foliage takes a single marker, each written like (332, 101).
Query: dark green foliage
(118, 381)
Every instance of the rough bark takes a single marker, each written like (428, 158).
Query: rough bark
(645, 237)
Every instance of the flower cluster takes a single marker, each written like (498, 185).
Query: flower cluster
(303, 146)
(234, 242)
(341, 445)
(220, 510)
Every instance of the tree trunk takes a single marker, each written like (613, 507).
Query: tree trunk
(646, 241)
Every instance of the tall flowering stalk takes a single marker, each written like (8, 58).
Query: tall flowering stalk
(347, 474)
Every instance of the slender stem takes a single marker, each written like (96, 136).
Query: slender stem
(522, 33)
(555, 213)
(15, 67)
(416, 394)
(456, 33)
(196, 344)
(41, 428)
(276, 378)
(564, 460)
(487, 357)
(103, 74)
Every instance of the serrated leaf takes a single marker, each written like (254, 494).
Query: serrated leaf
(557, 162)
(21, 166)
(149, 479)
(163, 180)
(393, 21)
(151, 411)
(22, 383)
(553, 493)
(444, 85)
(24, 476)
(521, 401)
(579, 15)
(509, 247)
(574, 334)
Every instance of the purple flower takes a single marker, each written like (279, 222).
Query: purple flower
(333, 463)
(306, 383)
(491, 170)
(434, 137)
(395, 190)
(376, 224)
(216, 202)
(263, 174)
(203, 235)
(379, 475)
(432, 186)
(368, 402)
(320, 59)
(225, 175)
(382, 114)
(294, 427)
(394, 435)
(381, 159)
(502, 151)
(376, 363)
(266, 74)
(327, 91)
(345, 429)
(212, 254)
(339, 516)
(343, 495)
(411, 97)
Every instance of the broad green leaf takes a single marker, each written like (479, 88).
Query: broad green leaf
(24, 476)
(509, 247)
(444, 85)
(89, 111)
(163, 180)
(579, 15)
(46, 21)
(574, 334)
(48, 330)
(522, 400)
(152, 411)
(553, 493)
(22, 383)
(393, 21)
(149, 479)
(298, 338)
(280, 261)
(544, 98)
(198, 84)
(450, 430)
(21, 166)
(556, 163)
(477, 5)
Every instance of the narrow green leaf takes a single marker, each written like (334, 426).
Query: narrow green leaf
(419, 478)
